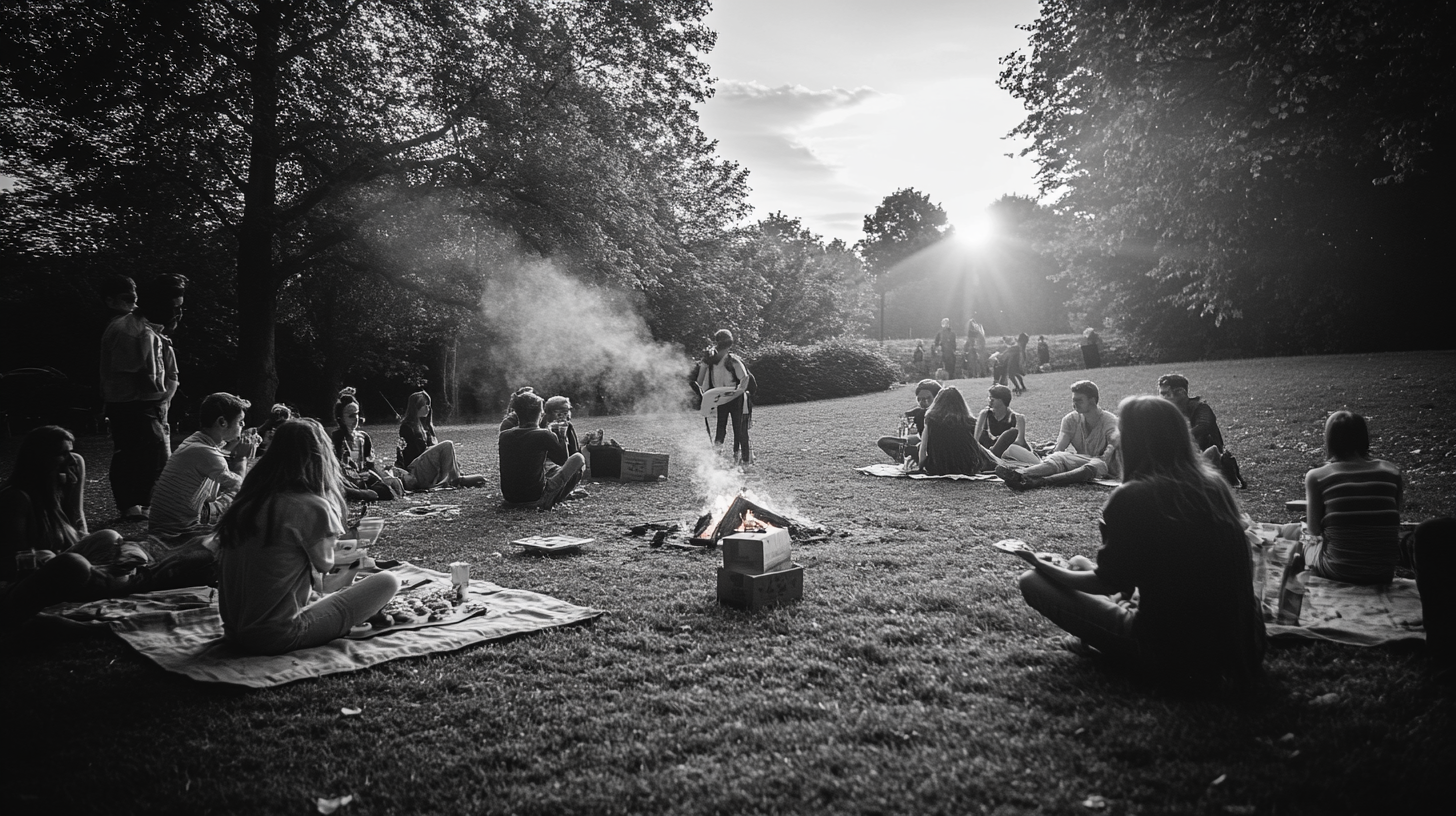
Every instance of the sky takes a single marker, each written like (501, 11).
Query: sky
(832, 105)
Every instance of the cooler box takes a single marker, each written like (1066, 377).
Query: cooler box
(752, 592)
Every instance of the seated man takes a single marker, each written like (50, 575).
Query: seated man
(898, 448)
(202, 476)
(1201, 422)
(1087, 447)
(1002, 430)
(526, 477)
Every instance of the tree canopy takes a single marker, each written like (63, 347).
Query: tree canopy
(287, 130)
(1227, 159)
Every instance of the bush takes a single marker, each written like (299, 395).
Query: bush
(835, 369)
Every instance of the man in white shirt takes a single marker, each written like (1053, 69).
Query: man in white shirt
(1087, 447)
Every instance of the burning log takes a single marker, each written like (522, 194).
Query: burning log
(742, 514)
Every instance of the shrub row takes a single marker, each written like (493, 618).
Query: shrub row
(838, 368)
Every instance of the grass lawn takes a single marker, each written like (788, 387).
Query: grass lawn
(911, 679)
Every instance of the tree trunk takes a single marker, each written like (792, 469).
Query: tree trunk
(258, 280)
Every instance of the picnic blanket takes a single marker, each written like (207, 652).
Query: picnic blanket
(1330, 610)
(891, 471)
(181, 631)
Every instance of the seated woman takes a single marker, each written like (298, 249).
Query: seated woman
(364, 479)
(1354, 503)
(948, 444)
(42, 511)
(1172, 531)
(898, 448)
(430, 462)
(1002, 430)
(277, 542)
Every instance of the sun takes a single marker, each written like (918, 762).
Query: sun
(977, 231)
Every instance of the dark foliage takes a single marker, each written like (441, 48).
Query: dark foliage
(838, 368)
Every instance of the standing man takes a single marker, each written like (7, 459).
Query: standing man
(1087, 447)
(133, 386)
(975, 348)
(720, 368)
(945, 339)
(160, 304)
(1201, 421)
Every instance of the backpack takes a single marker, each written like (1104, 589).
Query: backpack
(1229, 467)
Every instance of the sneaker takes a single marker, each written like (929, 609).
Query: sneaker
(1030, 482)
(578, 493)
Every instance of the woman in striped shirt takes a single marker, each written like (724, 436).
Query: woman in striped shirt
(1354, 505)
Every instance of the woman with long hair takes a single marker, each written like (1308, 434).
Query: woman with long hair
(364, 479)
(277, 542)
(429, 461)
(44, 543)
(948, 444)
(1172, 532)
(1353, 508)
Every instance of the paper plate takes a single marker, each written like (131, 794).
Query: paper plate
(557, 543)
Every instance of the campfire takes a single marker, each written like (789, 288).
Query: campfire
(741, 515)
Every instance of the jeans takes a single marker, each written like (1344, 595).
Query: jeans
(734, 411)
(326, 619)
(1096, 619)
(141, 447)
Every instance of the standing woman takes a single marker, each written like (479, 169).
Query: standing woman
(1173, 532)
(430, 462)
(276, 543)
(363, 478)
(1354, 503)
(42, 510)
(948, 444)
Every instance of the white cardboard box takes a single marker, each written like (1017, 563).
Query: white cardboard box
(757, 553)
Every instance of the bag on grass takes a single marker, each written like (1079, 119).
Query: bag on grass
(1229, 467)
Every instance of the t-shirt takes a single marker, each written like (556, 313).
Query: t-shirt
(128, 347)
(1197, 615)
(1091, 441)
(523, 453)
(266, 580)
(1361, 522)
(194, 489)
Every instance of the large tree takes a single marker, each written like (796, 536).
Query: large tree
(905, 224)
(291, 127)
(1221, 159)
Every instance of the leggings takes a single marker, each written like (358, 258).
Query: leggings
(326, 619)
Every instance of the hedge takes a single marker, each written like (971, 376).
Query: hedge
(837, 368)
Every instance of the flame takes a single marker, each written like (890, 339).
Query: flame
(752, 525)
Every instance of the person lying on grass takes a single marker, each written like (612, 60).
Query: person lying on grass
(43, 525)
(277, 542)
(1173, 532)
(526, 475)
(1001, 430)
(1087, 447)
(948, 444)
(899, 449)
(364, 479)
(429, 462)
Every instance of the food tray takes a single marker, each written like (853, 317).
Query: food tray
(557, 543)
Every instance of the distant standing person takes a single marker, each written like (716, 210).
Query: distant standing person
(133, 386)
(1091, 348)
(1043, 352)
(975, 348)
(945, 340)
(721, 368)
(1015, 353)
(918, 358)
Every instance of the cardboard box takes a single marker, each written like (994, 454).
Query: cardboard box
(756, 553)
(757, 591)
(608, 462)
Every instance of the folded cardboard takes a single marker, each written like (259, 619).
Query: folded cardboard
(757, 591)
(755, 553)
(608, 462)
